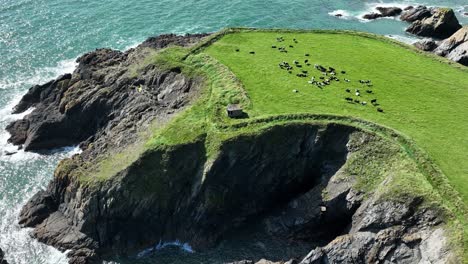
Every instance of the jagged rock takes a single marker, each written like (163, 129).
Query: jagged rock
(41, 207)
(456, 47)
(2, 256)
(383, 12)
(386, 232)
(102, 96)
(415, 13)
(426, 45)
(389, 11)
(442, 23)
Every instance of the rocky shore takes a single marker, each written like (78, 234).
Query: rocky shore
(447, 38)
(298, 181)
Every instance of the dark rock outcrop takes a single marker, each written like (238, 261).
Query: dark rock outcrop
(441, 23)
(371, 16)
(415, 13)
(102, 97)
(2, 256)
(386, 232)
(389, 11)
(383, 12)
(456, 47)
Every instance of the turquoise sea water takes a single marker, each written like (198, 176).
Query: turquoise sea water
(40, 39)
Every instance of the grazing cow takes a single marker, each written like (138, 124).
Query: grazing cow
(308, 64)
(273, 47)
(289, 71)
(299, 66)
(348, 90)
(358, 94)
(380, 110)
(320, 68)
(237, 50)
(357, 101)
(357, 90)
(306, 61)
(349, 99)
(291, 46)
(347, 80)
(322, 77)
(295, 91)
(343, 72)
(295, 62)
(307, 54)
(330, 69)
(303, 71)
(373, 101)
(252, 52)
(369, 91)
(364, 103)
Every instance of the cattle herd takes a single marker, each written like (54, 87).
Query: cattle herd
(325, 76)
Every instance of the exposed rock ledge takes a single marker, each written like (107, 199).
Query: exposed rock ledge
(293, 179)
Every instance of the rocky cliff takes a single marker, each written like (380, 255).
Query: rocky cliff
(323, 184)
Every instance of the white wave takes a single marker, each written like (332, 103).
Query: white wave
(161, 245)
(341, 14)
(39, 76)
(405, 39)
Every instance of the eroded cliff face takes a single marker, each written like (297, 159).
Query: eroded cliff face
(278, 177)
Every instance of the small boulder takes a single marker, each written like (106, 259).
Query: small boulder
(426, 45)
(441, 24)
(456, 47)
(389, 11)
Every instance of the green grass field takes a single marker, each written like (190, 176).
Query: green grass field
(422, 97)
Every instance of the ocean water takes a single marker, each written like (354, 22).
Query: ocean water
(40, 39)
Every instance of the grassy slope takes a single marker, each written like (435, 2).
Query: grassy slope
(422, 97)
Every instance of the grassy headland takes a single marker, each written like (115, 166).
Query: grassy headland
(422, 98)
